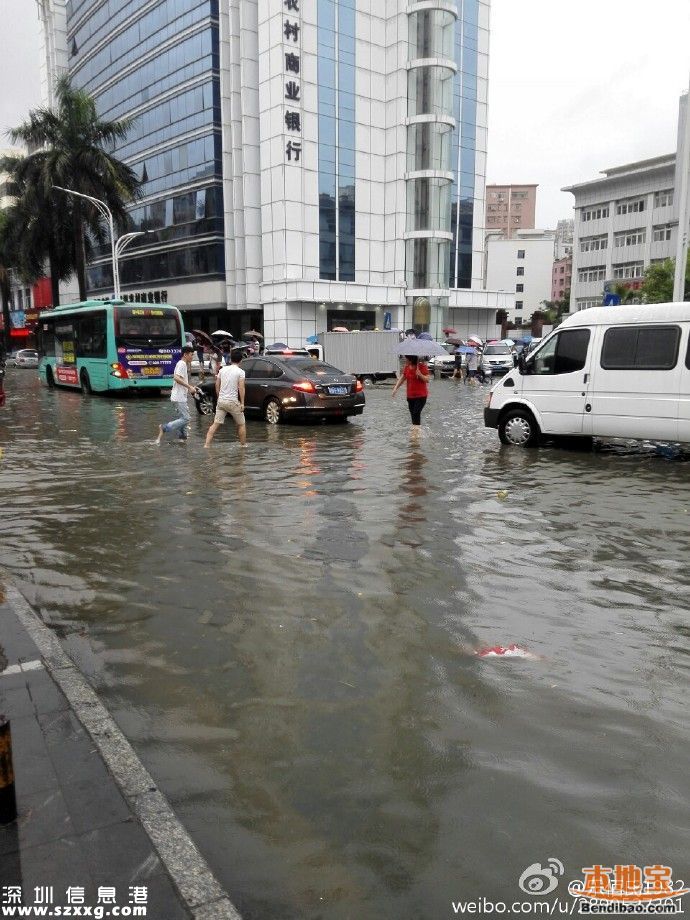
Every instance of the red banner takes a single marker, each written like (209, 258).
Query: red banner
(67, 375)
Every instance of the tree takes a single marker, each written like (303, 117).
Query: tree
(35, 232)
(658, 282)
(4, 282)
(554, 309)
(71, 147)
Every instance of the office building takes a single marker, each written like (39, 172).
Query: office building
(522, 266)
(625, 220)
(305, 163)
(510, 208)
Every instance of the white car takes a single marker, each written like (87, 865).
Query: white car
(26, 357)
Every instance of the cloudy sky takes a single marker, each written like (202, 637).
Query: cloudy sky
(575, 86)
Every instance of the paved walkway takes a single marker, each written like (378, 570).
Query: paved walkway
(89, 814)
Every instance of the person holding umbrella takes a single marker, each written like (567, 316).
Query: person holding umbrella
(416, 374)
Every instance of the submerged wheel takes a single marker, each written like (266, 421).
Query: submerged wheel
(272, 411)
(204, 405)
(50, 380)
(85, 383)
(518, 429)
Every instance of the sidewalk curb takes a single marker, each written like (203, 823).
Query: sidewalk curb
(196, 884)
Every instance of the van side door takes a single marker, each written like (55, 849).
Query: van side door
(684, 395)
(557, 379)
(636, 382)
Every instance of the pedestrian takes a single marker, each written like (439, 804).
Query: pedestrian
(200, 355)
(416, 375)
(225, 351)
(230, 391)
(178, 396)
(472, 366)
(457, 372)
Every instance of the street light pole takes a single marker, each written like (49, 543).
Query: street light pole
(683, 192)
(104, 211)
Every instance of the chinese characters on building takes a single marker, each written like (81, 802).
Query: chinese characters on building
(292, 28)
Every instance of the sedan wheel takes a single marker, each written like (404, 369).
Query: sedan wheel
(272, 412)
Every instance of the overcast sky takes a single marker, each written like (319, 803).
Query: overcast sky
(576, 86)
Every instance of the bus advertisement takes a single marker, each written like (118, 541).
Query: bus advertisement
(98, 346)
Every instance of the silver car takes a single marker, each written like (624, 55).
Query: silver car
(497, 359)
(26, 357)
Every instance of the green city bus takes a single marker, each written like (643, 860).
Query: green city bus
(102, 345)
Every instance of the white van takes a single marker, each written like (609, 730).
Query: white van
(610, 372)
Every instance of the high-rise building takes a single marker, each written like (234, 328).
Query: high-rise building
(304, 163)
(510, 208)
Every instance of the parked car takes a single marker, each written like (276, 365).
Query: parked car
(281, 387)
(497, 359)
(444, 363)
(26, 357)
(608, 373)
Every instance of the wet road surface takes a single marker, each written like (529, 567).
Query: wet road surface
(283, 635)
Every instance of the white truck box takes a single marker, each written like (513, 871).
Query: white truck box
(366, 354)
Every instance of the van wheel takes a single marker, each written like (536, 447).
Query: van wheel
(517, 428)
(50, 380)
(272, 411)
(85, 383)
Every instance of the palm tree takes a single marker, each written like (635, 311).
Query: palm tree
(4, 281)
(72, 149)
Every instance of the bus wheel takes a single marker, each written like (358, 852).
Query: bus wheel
(50, 380)
(85, 383)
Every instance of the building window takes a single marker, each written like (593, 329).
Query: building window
(518, 320)
(520, 270)
(629, 238)
(584, 303)
(598, 213)
(519, 304)
(594, 273)
(661, 234)
(630, 206)
(629, 270)
(593, 243)
(663, 199)
(521, 254)
(519, 288)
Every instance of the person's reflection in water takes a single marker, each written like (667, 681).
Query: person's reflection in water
(414, 489)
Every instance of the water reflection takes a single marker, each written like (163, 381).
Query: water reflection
(282, 632)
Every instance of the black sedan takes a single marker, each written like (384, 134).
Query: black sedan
(281, 387)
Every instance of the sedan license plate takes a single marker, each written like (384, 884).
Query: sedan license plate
(338, 391)
(151, 371)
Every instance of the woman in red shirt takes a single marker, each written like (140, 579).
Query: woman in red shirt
(417, 376)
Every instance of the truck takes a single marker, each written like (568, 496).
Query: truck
(364, 354)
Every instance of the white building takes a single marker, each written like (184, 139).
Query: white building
(623, 222)
(522, 266)
(342, 142)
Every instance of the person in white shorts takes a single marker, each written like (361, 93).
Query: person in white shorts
(230, 391)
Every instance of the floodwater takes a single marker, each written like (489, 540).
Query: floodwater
(285, 635)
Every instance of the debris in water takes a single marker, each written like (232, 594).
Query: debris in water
(502, 493)
(505, 651)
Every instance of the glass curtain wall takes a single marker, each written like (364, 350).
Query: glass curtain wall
(336, 76)
(160, 62)
(430, 106)
(464, 142)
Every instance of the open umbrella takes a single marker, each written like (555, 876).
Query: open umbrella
(425, 337)
(227, 335)
(465, 350)
(340, 329)
(312, 340)
(420, 348)
(277, 346)
(450, 332)
(507, 342)
(252, 334)
(475, 338)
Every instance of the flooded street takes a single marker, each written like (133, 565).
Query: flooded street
(285, 635)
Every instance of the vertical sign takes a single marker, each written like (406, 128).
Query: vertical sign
(292, 66)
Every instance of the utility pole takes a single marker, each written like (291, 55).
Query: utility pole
(683, 192)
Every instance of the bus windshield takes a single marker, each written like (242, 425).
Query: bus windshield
(141, 327)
